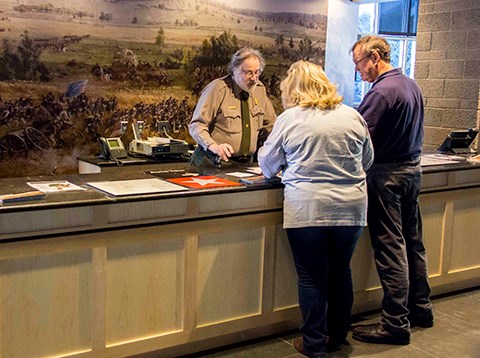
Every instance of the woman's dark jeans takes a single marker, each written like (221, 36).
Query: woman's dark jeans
(322, 259)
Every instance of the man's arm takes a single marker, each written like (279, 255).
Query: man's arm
(372, 109)
(204, 115)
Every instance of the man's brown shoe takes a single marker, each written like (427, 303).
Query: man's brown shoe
(298, 344)
(375, 333)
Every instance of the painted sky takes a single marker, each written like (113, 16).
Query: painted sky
(300, 6)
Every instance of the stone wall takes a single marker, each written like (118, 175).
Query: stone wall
(448, 66)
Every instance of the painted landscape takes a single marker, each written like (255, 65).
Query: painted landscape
(71, 72)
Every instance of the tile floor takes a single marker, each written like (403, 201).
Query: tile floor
(456, 334)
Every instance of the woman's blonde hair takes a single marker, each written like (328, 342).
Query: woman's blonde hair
(307, 85)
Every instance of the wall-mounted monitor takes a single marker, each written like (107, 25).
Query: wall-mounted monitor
(459, 141)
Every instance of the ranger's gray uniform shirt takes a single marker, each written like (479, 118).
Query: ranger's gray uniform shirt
(218, 118)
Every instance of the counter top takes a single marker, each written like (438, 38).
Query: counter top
(92, 196)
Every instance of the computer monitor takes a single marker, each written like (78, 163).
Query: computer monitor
(459, 141)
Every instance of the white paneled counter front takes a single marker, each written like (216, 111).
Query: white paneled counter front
(83, 274)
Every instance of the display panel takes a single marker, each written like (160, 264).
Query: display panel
(113, 143)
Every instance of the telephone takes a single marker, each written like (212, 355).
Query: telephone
(112, 148)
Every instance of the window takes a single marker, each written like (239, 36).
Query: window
(397, 22)
(398, 17)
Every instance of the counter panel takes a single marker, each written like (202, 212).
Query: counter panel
(147, 210)
(234, 202)
(285, 278)
(366, 284)
(229, 275)
(38, 222)
(434, 218)
(434, 181)
(465, 238)
(145, 288)
(463, 177)
(46, 305)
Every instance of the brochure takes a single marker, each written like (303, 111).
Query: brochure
(54, 186)
(204, 182)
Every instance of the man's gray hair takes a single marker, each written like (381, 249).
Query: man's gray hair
(370, 44)
(241, 55)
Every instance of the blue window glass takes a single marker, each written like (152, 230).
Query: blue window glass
(366, 19)
(358, 89)
(392, 17)
(398, 17)
(409, 58)
(413, 16)
(395, 46)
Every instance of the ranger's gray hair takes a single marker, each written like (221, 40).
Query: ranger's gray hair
(241, 55)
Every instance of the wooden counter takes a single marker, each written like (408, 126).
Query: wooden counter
(83, 274)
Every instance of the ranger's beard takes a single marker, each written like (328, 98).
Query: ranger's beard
(251, 89)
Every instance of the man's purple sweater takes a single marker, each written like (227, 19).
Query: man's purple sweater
(393, 110)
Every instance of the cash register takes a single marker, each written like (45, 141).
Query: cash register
(156, 147)
(459, 141)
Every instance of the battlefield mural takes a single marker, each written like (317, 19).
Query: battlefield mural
(74, 71)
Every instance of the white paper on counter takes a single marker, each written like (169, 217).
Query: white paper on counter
(255, 170)
(438, 159)
(240, 174)
(136, 186)
(54, 186)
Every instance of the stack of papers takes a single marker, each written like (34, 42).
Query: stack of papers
(440, 159)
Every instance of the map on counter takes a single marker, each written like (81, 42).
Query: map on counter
(204, 182)
(171, 173)
(135, 187)
(54, 186)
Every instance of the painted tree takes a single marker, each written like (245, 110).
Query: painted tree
(279, 40)
(307, 48)
(23, 62)
(160, 39)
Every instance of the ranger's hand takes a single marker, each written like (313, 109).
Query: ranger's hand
(223, 150)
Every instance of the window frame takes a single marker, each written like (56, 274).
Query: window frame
(406, 39)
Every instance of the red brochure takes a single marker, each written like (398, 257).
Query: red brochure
(203, 182)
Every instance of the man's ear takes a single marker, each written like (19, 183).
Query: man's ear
(375, 57)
